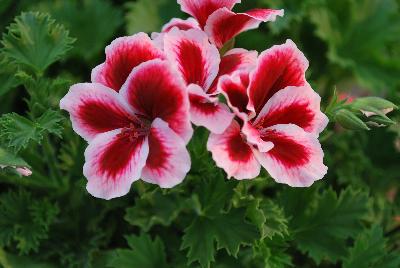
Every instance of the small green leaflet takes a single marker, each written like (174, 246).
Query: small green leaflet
(8, 159)
(18, 131)
(35, 41)
(144, 252)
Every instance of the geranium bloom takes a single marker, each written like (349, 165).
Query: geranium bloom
(279, 120)
(216, 18)
(200, 66)
(135, 117)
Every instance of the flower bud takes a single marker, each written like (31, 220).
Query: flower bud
(371, 106)
(349, 120)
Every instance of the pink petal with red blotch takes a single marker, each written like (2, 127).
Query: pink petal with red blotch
(95, 109)
(193, 56)
(113, 163)
(297, 157)
(208, 112)
(223, 24)
(233, 61)
(155, 90)
(278, 67)
(294, 105)
(231, 153)
(181, 24)
(234, 88)
(202, 9)
(168, 161)
(253, 137)
(122, 56)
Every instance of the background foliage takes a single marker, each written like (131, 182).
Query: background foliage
(349, 219)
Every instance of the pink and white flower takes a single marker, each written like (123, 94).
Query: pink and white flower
(218, 20)
(278, 121)
(199, 64)
(136, 121)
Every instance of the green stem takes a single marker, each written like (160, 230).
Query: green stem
(51, 159)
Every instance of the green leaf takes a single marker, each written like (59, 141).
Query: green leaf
(8, 159)
(35, 41)
(142, 17)
(18, 131)
(228, 230)
(321, 223)
(92, 22)
(144, 252)
(154, 208)
(25, 220)
(8, 260)
(272, 253)
(370, 250)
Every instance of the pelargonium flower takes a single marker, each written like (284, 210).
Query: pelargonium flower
(218, 20)
(136, 121)
(278, 121)
(200, 66)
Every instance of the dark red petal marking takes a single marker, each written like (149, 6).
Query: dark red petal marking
(235, 90)
(200, 103)
(278, 68)
(202, 9)
(286, 150)
(122, 56)
(238, 149)
(118, 155)
(157, 153)
(223, 24)
(154, 90)
(191, 62)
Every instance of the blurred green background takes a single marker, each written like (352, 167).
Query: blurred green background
(352, 45)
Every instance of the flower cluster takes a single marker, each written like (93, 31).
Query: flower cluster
(136, 113)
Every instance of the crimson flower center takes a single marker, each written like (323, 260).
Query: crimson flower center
(136, 128)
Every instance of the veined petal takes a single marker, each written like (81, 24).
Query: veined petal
(193, 56)
(113, 163)
(223, 24)
(278, 67)
(253, 137)
(122, 56)
(294, 105)
(168, 161)
(233, 61)
(181, 24)
(95, 109)
(231, 153)
(234, 88)
(202, 9)
(208, 112)
(155, 90)
(297, 157)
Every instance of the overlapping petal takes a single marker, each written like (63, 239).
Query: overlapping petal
(231, 153)
(235, 60)
(294, 105)
(278, 67)
(95, 109)
(208, 112)
(296, 158)
(154, 90)
(122, 55)
(202, 9)
(181, 24)
(193, 56)
(113, 163)
(168, 161)
(223, 24)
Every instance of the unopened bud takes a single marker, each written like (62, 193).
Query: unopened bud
(371, 106)
(349, 120)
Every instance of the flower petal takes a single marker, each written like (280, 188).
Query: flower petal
(181, 24)
(154, 90)
(113, 163)
(168, 161)
(223, 24)
(233, 61)
(254, 138)
(193, 56)
(297, 157)
(294, 105)
(231, 153)
(202, 9)
(95, 109)
(234, 88)
(122, 56)
(278, 67)
(208, 112)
